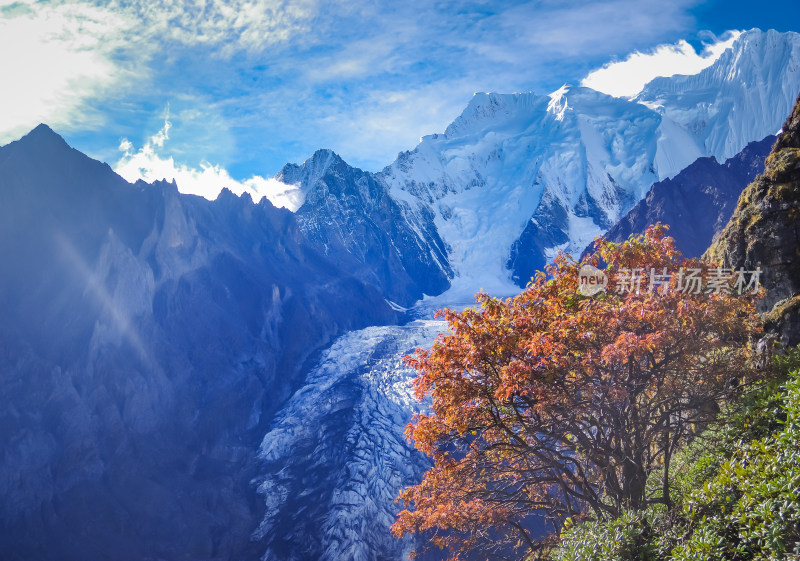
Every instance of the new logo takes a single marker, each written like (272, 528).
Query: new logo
(591, 280)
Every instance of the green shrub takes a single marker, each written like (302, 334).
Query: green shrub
(751, 508)
(735, 490)
(625, 539)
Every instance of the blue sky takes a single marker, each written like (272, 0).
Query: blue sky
(212, 91)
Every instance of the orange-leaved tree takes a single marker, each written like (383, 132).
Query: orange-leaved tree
(553, 404)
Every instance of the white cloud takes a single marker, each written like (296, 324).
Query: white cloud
(579, 27)
(61, 58)
(56, 58)
(162, 135)
(227, 25)
(149, 165)
(627, 78)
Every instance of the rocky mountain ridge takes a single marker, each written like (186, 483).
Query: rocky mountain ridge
(698, 202)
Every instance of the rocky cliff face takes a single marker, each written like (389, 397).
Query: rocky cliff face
(349, 216)
(147, 338)
(765, 232)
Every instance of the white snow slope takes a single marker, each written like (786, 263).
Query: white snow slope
(590, 154)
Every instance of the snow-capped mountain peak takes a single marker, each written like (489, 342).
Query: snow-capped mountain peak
(742, 97)
(484, 179)
(517, 177)
(302, 178)
(484, 111)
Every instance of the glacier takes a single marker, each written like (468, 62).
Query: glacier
(336, 456)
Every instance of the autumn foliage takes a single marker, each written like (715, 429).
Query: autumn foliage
(553, 405)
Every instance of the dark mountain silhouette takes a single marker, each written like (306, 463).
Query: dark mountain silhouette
(146, 340)
(696, 203)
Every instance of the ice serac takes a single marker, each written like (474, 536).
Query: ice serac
(742, 97)
(146, 340)
(350, 217)
(698, 202)
(517, 177)
(336, 456)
